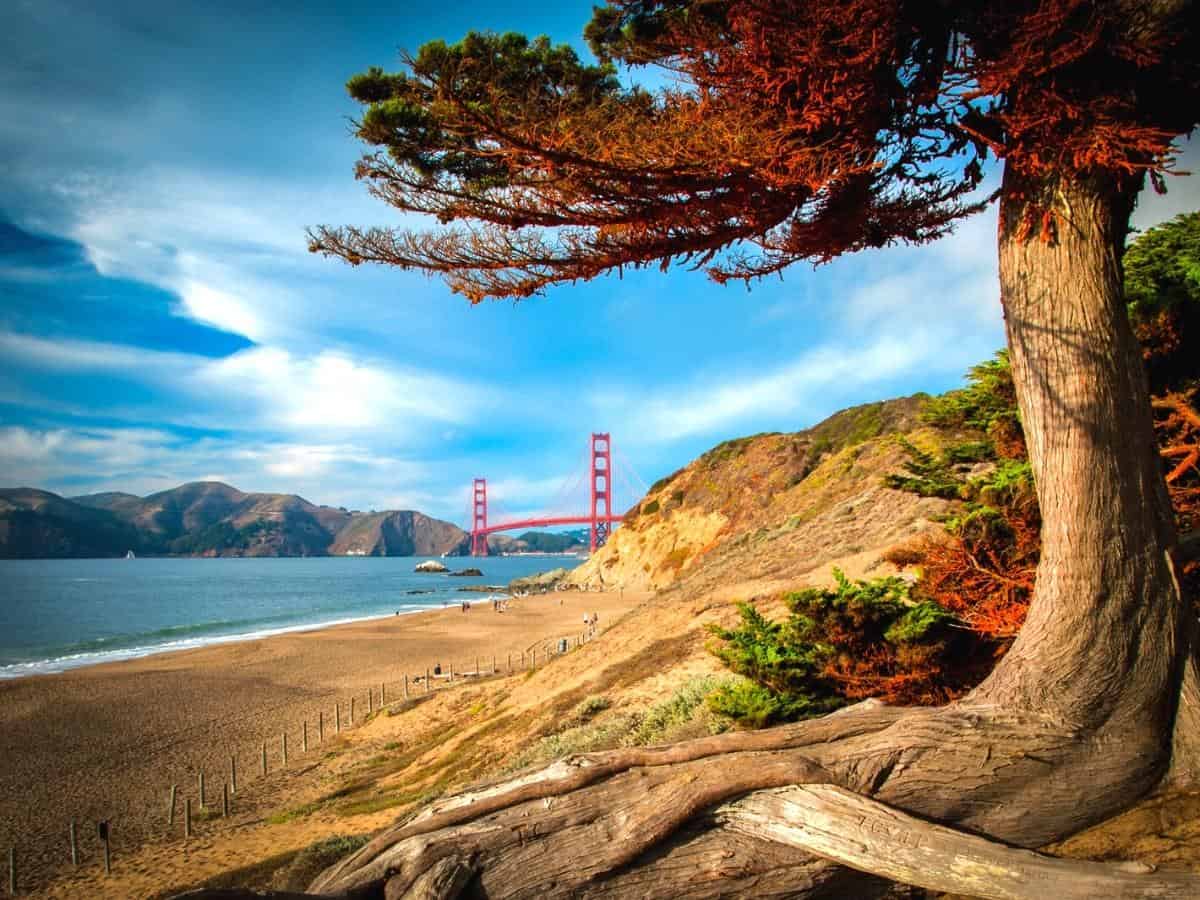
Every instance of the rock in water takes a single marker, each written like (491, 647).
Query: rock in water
(468, 573)
(430, 565)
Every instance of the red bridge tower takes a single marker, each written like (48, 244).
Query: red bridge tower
(479, 525)
(601, 490)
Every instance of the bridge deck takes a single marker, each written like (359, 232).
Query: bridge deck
(557, 520)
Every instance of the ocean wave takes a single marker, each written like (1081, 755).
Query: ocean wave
(171, 633)
(77, 656)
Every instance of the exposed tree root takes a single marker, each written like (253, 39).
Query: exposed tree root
(579, 772)
(848, 828)
(650, 822)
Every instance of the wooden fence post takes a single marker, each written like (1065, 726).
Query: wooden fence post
(264, 757)
(225, 800)
(370, 701)
(510, 664)
(283, 742)
(170, 810)
(187, 817)
(337, 717)
(382, 694)
(304, 735)
(75, 842)
(494, 664)
(102, 827)
(352, 699)
(233, 773)
(405, 685)
(202, 789)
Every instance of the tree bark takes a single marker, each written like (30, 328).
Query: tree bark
(1080, 719)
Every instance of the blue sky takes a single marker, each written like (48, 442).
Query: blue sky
(161, 320)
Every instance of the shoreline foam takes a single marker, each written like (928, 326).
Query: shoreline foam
(56, 665)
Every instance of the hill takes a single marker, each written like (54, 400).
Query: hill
(404, 533)
(39, 524)
(775, 505)
(208, 518)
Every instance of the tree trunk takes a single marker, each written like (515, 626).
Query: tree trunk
(1074, 724)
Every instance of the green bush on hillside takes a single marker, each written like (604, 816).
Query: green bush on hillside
(860, 638)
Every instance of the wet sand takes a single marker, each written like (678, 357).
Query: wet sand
(108, 741)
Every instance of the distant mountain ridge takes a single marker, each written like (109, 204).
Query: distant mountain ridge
(209, 518)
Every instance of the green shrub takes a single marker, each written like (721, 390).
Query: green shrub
(752, 705)
(590, 708)
(859, 639)
(927, 474)
(989, 396)
(662, 721)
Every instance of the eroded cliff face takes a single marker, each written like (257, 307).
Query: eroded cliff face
(772, 504)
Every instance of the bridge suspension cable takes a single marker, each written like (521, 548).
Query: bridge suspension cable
(599, 518)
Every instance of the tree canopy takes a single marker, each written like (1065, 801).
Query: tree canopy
(793, 131)
(1162, 266)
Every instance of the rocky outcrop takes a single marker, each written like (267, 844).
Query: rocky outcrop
(430, 565)
(539, 584)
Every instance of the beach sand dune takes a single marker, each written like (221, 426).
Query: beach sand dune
(107, 742)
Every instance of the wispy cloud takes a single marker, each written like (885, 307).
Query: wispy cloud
(75, 460)
(795, 391)
(262, 388)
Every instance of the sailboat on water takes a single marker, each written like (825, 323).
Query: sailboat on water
(130, 555)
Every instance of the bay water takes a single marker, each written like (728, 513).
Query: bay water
(63, 613)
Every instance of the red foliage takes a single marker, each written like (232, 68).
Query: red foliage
(1177, 424)
(912, 676)
(985, 576)
(797, 130)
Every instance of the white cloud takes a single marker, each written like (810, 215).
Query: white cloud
(142, 461)
(264, 388)
(48, 456)
(221, 310)
(66, 355)
(953, 282)
(788, 391)
(334, 391)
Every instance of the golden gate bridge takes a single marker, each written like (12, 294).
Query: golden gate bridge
(600, 518)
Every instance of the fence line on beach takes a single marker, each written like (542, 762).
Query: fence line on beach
(406, 693)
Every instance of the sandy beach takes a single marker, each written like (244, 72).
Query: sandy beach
(107, 742)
